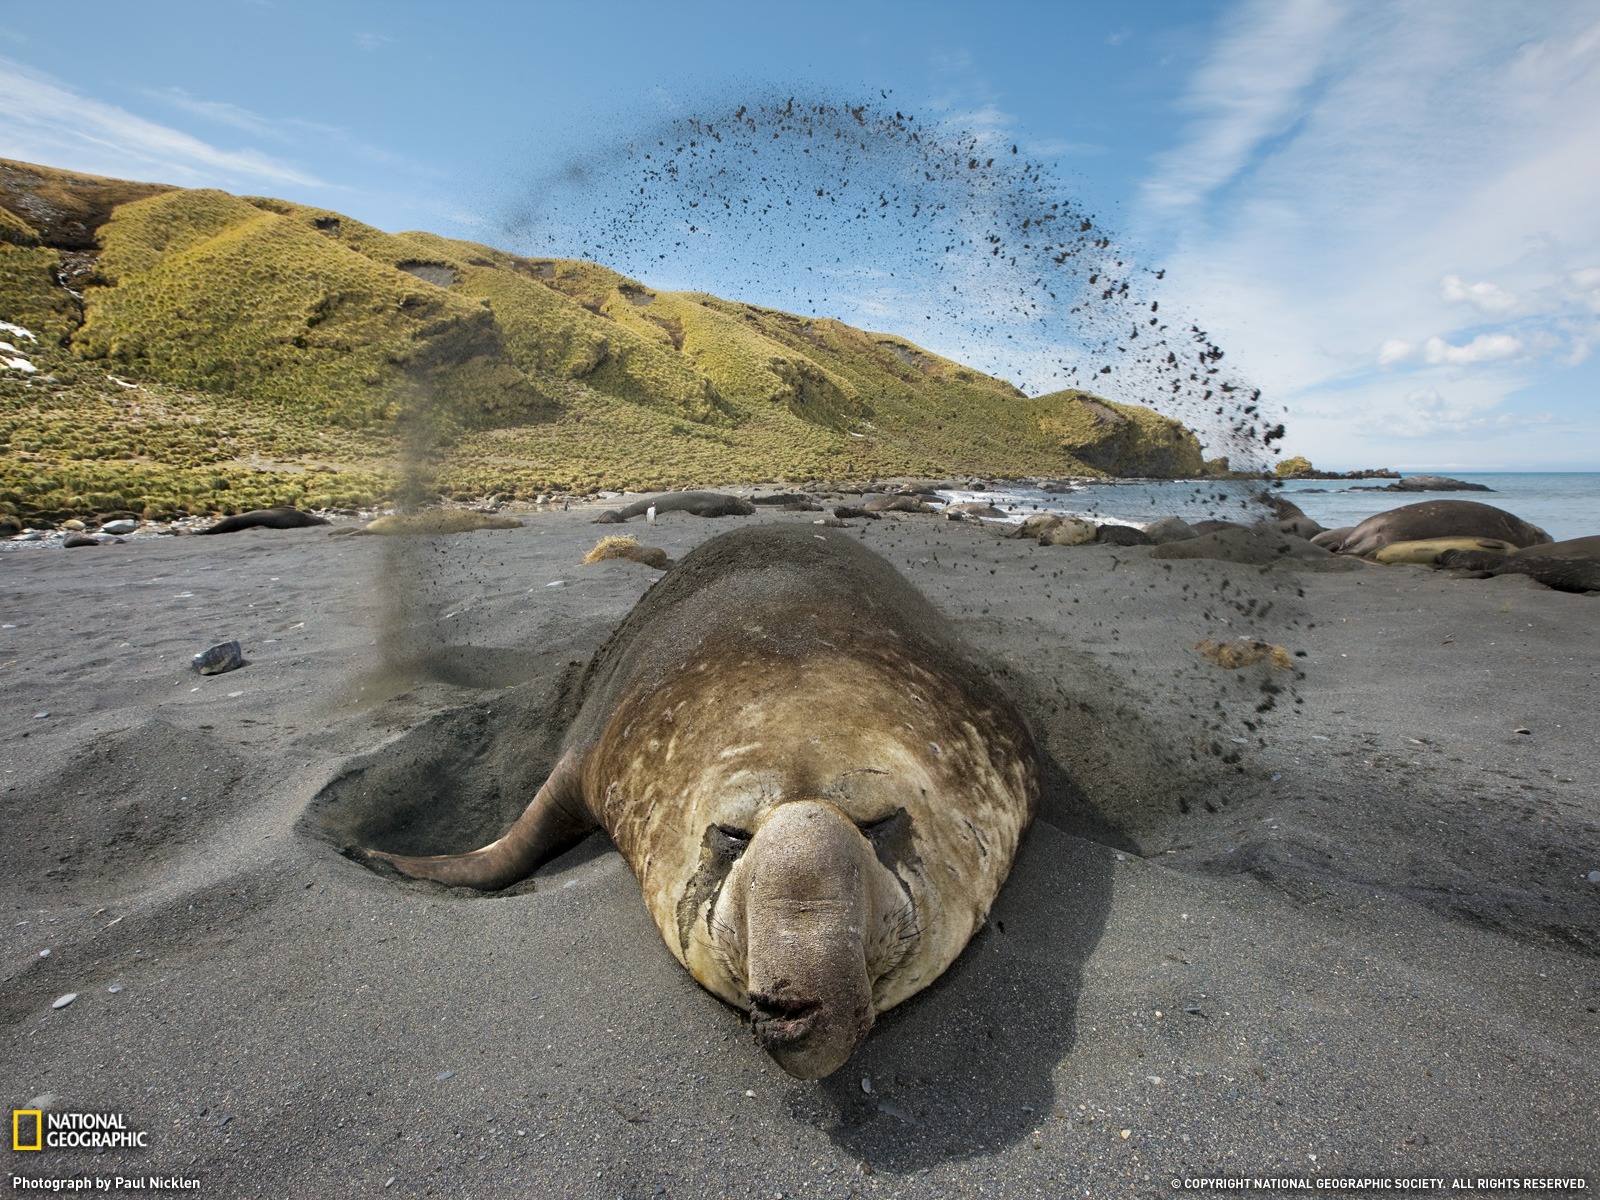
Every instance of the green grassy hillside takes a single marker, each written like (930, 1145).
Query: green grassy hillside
(202, 351)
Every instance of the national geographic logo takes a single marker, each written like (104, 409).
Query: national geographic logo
(35, 1129)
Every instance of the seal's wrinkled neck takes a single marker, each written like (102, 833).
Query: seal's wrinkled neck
(808, 895)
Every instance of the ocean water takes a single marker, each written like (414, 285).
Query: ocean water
(1565, 504)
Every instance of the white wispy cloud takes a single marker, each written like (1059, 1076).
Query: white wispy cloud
(1252, 89)
(1482, 294)
(1396, 350)
(1585, 285)
(1486, 347)
(1426, 412)
(287, 131)
(1357, 175)
(48, 122)
(220, 113)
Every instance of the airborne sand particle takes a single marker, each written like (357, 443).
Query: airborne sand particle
(953, 239)
(950, 238)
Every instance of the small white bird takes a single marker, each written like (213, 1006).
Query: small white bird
(650, 514)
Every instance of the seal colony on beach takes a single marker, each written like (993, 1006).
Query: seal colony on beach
(819, 789)
(1433, 520)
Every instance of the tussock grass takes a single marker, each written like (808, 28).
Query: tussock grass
(292, 355)
(630, 548)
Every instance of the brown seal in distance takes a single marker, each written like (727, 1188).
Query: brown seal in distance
(265, 518)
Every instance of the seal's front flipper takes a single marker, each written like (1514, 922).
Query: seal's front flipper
(556, 819)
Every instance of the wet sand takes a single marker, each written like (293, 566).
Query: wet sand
(1332, 921)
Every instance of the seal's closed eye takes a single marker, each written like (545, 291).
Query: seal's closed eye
(720, 847)
(891, 840)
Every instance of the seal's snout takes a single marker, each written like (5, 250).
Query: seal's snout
(810, 1041)
(779, 1022)
(806, 909)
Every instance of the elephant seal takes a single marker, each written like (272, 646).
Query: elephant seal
(429, 523)
(1569, 566)
(819, 789)
(896, 503)
(1122, 535)
(1426, 552)
(700, 504)
(265, 518)
(1049, 529)
(1300, 527)
(1169, 529)
(1583, 547)
(1433, 519)
(974, 508)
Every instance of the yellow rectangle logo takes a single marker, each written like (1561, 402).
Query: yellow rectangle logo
(16, 1128)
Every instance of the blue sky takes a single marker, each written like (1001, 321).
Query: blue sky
(1388, 215)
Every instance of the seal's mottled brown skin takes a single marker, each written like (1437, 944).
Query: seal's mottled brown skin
(818, 788)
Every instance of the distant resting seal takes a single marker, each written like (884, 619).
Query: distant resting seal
(265, 518)
(1440, 519)
(432, 522)
(1049, 529)
(1169, 529)
(1427, 551)
(1300, 527)
(1332, 539)
(1257, 547)
(817, 787)
(1122, 535)
(881, 504)
(1583, 547)
(700, 504)
(1569, 566)
(783, 499)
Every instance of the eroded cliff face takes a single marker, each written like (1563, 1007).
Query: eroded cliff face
(1122, 439)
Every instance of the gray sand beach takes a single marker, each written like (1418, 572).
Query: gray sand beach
(1330, 921)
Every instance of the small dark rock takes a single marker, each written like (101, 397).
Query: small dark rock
(1434, 483)
(216, 660)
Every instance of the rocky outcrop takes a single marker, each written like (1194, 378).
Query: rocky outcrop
(1126, 440)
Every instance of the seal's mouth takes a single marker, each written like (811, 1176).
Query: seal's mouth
(780, 1022)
